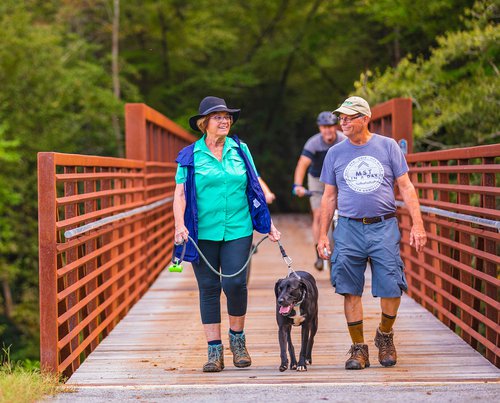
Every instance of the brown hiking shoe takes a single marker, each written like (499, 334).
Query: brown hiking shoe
(241, 358)
(215, 361)
(387, 355)
(359, 357)
(318, 264)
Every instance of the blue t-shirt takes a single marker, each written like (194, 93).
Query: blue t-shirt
(316, 148)
(364, 176)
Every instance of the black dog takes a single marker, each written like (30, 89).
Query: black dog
(297, 305)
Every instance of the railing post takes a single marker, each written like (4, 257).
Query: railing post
(402, 121)
(394, 119)
(463, 179)
(432, 230)
(488, 201)
(90, 246)
(47, 241)
(70, 211)
(444, 196)
(135, 132)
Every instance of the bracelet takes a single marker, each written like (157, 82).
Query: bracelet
(297, 185)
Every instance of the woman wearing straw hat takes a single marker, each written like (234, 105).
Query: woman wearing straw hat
(214, 177)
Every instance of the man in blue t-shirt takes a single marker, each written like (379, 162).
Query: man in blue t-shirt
(311, 161)
(359, 176)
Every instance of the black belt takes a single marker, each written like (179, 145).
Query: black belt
(373, 220)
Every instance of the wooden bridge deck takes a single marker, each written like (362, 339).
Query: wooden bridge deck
(161, 342)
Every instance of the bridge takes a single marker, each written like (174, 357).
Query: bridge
(111, 317)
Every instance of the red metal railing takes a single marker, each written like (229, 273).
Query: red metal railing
(88, 283)
(394, 119)
(457, 276)
(151, 136)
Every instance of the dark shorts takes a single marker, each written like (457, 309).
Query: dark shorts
(355, 242)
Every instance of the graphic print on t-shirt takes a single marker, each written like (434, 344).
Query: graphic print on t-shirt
(364, 174)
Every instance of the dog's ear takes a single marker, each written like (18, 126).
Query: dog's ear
(303, 286)
(276, 287)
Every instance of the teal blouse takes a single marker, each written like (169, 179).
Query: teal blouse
(223, 212)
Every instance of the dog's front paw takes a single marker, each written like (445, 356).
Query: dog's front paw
(293, 365)
(308, 361)
(301, 368)
(283, 367)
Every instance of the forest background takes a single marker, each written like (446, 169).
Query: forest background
(280, 61)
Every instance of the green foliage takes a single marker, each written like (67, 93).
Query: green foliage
(455, 90)
(55, 96)
(409, 26)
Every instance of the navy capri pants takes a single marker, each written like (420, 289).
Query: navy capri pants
(228, 257)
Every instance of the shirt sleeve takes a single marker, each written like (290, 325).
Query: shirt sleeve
(307, 153)
(328, 170)
(398, 160)
(309, 150)
(180, 175)
(246, 150)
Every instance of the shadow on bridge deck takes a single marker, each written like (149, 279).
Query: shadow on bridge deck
(161, 341)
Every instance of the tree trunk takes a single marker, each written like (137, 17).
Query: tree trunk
(288, 65)
(164, 44)
(268, 31)
(397, 49)
(7, 298)
(116, 72)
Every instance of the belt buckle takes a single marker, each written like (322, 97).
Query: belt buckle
(365, 221)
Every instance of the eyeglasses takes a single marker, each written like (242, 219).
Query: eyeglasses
(222, 118)
(349, 119)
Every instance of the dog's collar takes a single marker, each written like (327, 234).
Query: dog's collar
(297, 305)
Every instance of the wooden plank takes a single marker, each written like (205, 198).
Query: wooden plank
(161, 340)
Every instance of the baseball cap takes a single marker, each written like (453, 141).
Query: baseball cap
(326, 118)
(353, 105)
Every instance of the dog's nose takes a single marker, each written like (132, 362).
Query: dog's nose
(280, 300)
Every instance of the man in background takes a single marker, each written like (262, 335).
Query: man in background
(311, 161)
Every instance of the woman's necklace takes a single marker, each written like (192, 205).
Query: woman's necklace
(216, 147)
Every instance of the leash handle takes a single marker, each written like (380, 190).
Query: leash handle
(176, 260)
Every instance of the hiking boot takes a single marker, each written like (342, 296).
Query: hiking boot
(241, 358)
(359, 357)
(318, 264)
(386, 350)
(215, 361)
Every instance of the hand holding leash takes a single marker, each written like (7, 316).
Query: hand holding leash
(181, 234)
(274, 234)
